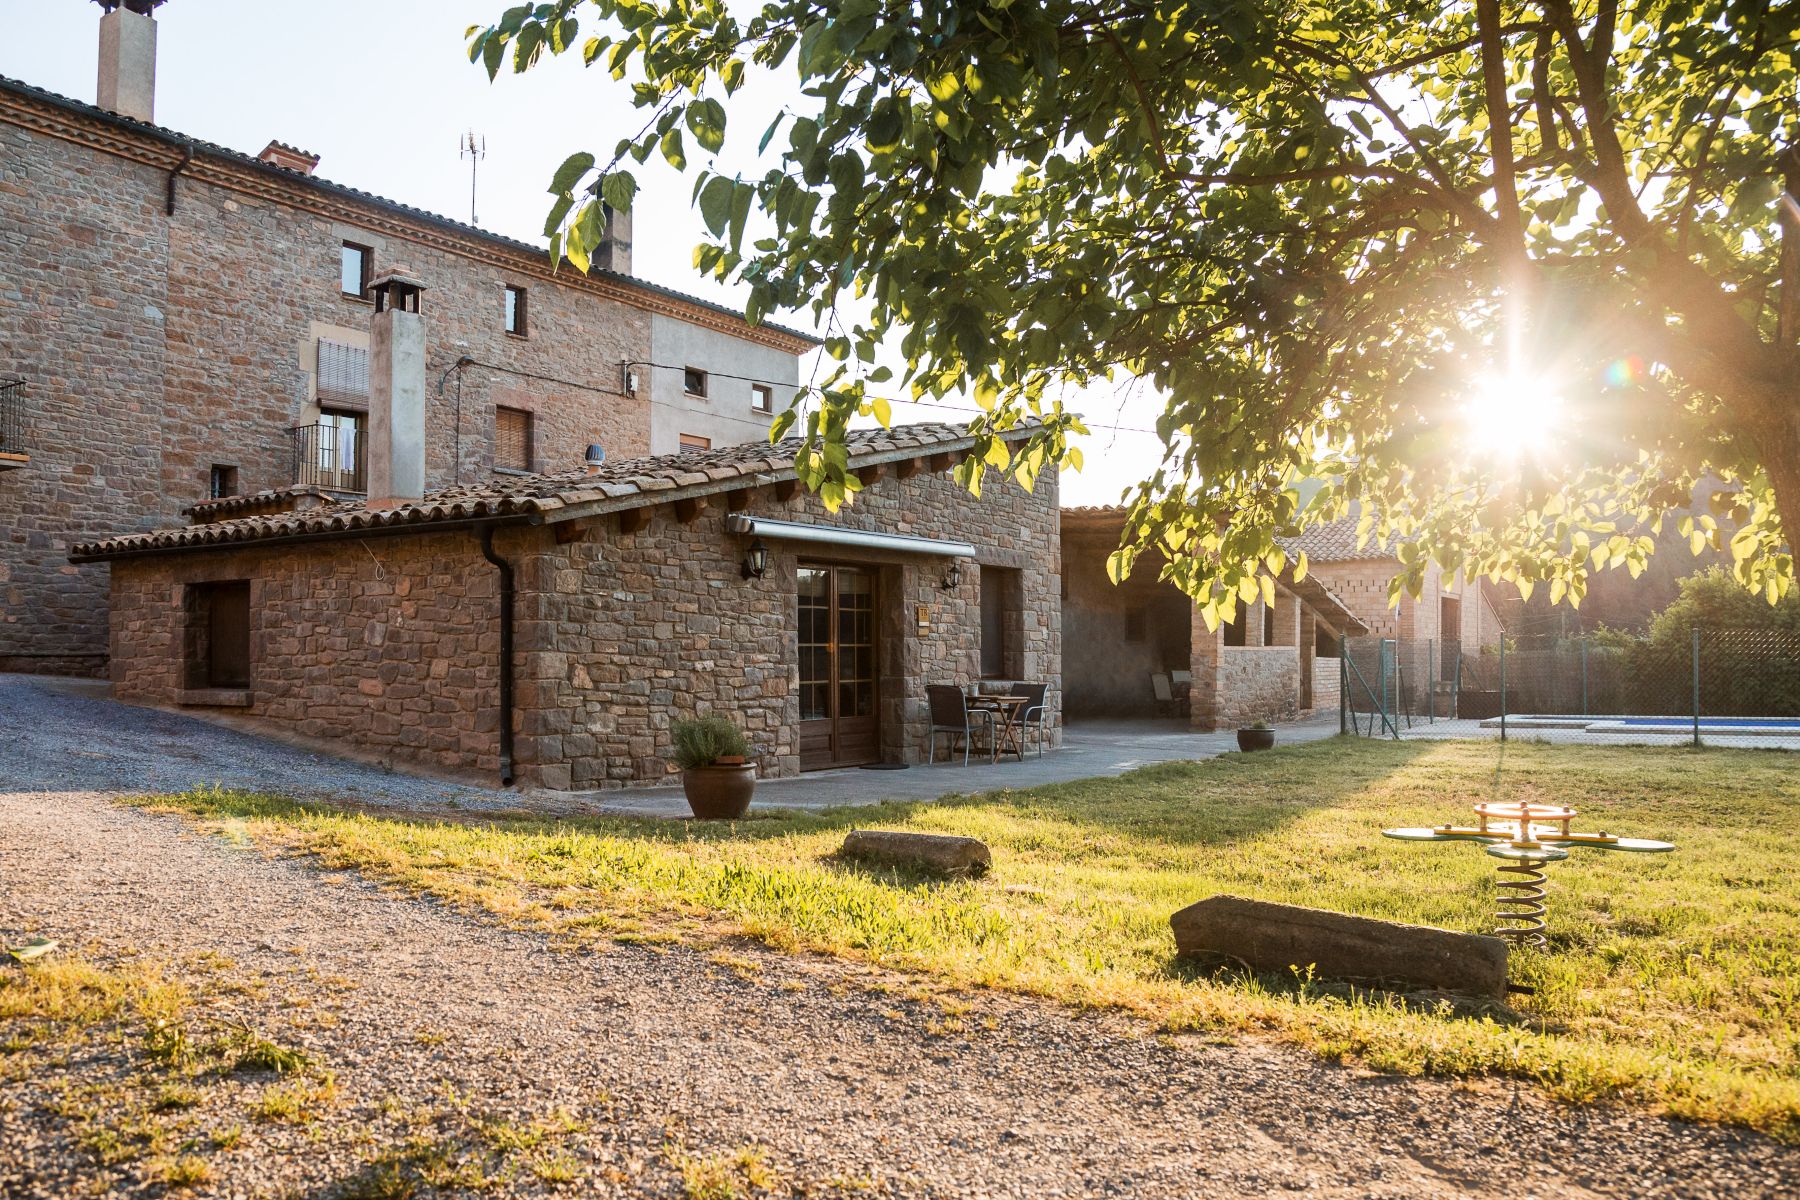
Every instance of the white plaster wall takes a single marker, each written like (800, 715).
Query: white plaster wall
(725, 415)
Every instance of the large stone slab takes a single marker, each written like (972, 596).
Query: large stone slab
(940, 853)
(1277, 937)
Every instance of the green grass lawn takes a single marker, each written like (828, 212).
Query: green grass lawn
(1672, 981)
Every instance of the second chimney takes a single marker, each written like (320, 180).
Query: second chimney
(615, 246)
(128, 59)
(396, 453)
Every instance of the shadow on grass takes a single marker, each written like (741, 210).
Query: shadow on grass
(1295, 984)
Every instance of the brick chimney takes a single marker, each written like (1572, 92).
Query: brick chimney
(396, 391)
(128, 59)
(293, 158)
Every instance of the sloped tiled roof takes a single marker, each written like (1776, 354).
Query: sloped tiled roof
(182, 142)
(1335, 541)
(626, 483)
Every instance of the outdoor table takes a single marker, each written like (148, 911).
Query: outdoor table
(1009, 731)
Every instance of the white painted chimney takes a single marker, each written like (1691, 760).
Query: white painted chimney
(396, 392)
(128, 59)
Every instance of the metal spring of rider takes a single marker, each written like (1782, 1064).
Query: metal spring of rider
(1521, 900)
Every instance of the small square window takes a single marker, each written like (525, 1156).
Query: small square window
(693, 380)
(512, 439)
(693, 443)
(515, 311)
(762, 398)
(223, 482)
(353, 270)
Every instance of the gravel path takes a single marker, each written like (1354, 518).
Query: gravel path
(840, 1078)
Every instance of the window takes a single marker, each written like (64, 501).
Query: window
(343, 373)
(353, 270)
(223, 482)
(512, 439)
(217, 645)
(1325, 642)
(762, 398)
(336, 459)
(1002, 623)
(693, 443)
(515, 311)
(1134, 624)
(693, 381)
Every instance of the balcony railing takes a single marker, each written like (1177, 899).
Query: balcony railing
(12, 424)
(330, 457)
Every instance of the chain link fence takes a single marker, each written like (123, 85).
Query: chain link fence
(1723, 686)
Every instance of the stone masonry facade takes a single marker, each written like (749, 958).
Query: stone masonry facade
(389, 645)
(156, 344)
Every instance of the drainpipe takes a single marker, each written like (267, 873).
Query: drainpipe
(506, 653)
(187, 156)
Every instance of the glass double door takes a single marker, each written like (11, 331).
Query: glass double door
(839, 725)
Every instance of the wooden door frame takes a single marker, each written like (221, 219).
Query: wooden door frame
(876, 594)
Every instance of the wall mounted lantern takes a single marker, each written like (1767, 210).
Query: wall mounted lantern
(952, 576)
(756, 560)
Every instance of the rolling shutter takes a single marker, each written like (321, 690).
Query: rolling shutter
(512, 439)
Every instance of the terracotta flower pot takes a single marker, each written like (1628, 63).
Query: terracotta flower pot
(1256, 739)
(719, 793)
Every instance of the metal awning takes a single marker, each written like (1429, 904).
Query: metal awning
(894, 543)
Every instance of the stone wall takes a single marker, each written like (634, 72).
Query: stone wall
(1257, 683)
(1117, 635)
(387, 646)
(390, 645)
(631, 631)
(156, 345)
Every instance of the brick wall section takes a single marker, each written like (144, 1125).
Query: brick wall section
(154, 346)
(390, 644)
(628, 632)
(1105, 672)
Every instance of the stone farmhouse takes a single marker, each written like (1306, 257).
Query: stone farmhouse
(183, 325)
(1269, 663)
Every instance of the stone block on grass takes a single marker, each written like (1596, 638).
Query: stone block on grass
(1281, 937)
(937, 853)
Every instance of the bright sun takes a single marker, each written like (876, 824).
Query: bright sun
(1512, 417)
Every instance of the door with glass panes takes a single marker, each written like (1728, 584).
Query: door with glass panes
(838, 722)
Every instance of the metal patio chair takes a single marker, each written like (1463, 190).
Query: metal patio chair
(1035, 714)
(951, 714)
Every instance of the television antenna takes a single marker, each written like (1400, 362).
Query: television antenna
(473, 148)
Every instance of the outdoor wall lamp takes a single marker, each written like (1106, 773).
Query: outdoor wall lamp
(952, 576)
(756, 560)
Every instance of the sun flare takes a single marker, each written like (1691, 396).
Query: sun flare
(1513, 416)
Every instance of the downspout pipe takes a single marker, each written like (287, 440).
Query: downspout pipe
(506, 653)
(187, 156)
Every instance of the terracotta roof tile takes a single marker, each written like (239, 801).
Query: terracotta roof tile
(528, 495)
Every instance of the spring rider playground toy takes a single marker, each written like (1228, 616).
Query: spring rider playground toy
(1527, 837)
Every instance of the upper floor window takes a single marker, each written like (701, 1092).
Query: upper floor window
(515, 310)
(353, 269)
(762, 398)
(693, 443)
(512, 439)
(693, 381)
(223, 481)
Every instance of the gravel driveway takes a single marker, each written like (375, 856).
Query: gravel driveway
(665, 1056)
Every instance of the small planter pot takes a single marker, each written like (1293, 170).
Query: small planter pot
(1256, 739)
(719, 792)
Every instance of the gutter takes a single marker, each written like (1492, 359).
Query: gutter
(506, 653)
(314, 535)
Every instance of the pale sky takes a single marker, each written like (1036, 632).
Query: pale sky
(382, 91)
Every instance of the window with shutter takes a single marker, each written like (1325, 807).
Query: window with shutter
(512, 439)
(693, 443)
(343, 374)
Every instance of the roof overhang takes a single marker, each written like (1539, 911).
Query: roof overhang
(830, 535)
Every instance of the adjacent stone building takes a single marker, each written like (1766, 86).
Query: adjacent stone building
(181, 322)
(1261, 666)
(634, 600)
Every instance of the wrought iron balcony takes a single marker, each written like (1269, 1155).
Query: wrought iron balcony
(329, 456)
(12, 424)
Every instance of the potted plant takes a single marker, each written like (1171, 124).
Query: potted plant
(713, 754)
(1260, 736)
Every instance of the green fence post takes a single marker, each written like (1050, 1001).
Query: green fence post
(1343, 684)
(1503, 687)
(1584, 675)
(1431, 670)
(1696, 673)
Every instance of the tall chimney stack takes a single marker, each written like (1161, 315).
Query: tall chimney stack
(396, 452)
(128, 59)
(615, 245)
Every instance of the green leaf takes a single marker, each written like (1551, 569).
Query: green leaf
(706, 120)
(672, 150)
(618, 189)
(570, 173)
(715, 204)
